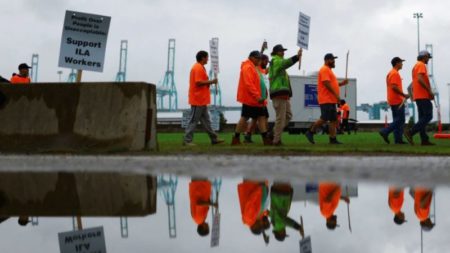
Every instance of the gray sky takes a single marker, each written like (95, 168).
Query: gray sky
(373, 228)
(374, 32)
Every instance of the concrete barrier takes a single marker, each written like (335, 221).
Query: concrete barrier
(70, 194)
(61, 117)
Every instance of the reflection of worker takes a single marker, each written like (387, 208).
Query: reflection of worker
(253, 202)
(280, 204)
(22, 77)
(329, 196)
(345, 115)
(422, 204)
(200, 197)
(395, 201)
(23, 220)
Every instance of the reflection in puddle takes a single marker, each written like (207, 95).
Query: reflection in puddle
(233, 215)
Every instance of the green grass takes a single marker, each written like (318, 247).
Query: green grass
(359, 144)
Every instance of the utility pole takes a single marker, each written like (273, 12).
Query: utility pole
(418, 16)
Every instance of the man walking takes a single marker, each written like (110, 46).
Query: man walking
(199, 99)
(328, 96)
(252, 93)
(423, 95)
(396, 99)
(345, 111)
(280, 89)
(23, 76)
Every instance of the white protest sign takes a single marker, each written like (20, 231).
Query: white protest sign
(83, 241)
(304, 22)
(215, 234)
(214, 54)
(305, 245)
(83, 41)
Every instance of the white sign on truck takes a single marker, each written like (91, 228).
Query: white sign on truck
(83, 241)
(304, 104)
(83, 41)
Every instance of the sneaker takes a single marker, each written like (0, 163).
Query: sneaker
(427, 143)
(385, 137)
(235, 141)
(334, 141)
(217, 141)
(248, 139)
(408, 136)
(310, 136)
(189, 144)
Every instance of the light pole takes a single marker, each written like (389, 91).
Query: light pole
(448, 103)
(418, 15)
(59, 73)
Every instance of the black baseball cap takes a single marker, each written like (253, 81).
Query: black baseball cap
(396, 60)
(24, 66)
(330, 57)
(255, 54)
(278, 48)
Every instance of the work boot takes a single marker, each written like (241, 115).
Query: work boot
(310, 136)
(400, 143)
(385, 137)
(248, 138)
(408, 136)
(235, 141)
(334, 141)
(267, 141)
(217, 141)
(427, 143)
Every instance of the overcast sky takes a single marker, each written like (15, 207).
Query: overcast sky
(373, 31)
(373, 228)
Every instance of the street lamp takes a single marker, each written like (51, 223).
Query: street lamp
(59, 73)
(418, 15)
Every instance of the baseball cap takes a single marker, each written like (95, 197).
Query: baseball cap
(425, 53)
(330, 57)
(255, 54)
(278, 48)
(24, 66)
(396, 60)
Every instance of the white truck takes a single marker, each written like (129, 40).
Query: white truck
(304, 105)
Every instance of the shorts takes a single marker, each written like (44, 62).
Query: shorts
(254, 112)
(328, 112)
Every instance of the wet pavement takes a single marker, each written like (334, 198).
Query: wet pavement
(250, 204)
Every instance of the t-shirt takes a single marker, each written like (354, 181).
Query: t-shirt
(198, 95)
(17, 79)
(418, 91)
(345, 111)
(327, 207)
(422, 212)
(199, 191)
(394, 79)
(395, 200)
(324, 95)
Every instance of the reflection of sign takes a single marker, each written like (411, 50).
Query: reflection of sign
(83, 241)
(83, 41)
(214, 54)
(215, 234)
(305, 245)
(311, 96)
(304, 22)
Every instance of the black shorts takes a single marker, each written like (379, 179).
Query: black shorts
(254, 112)
(328, 112)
